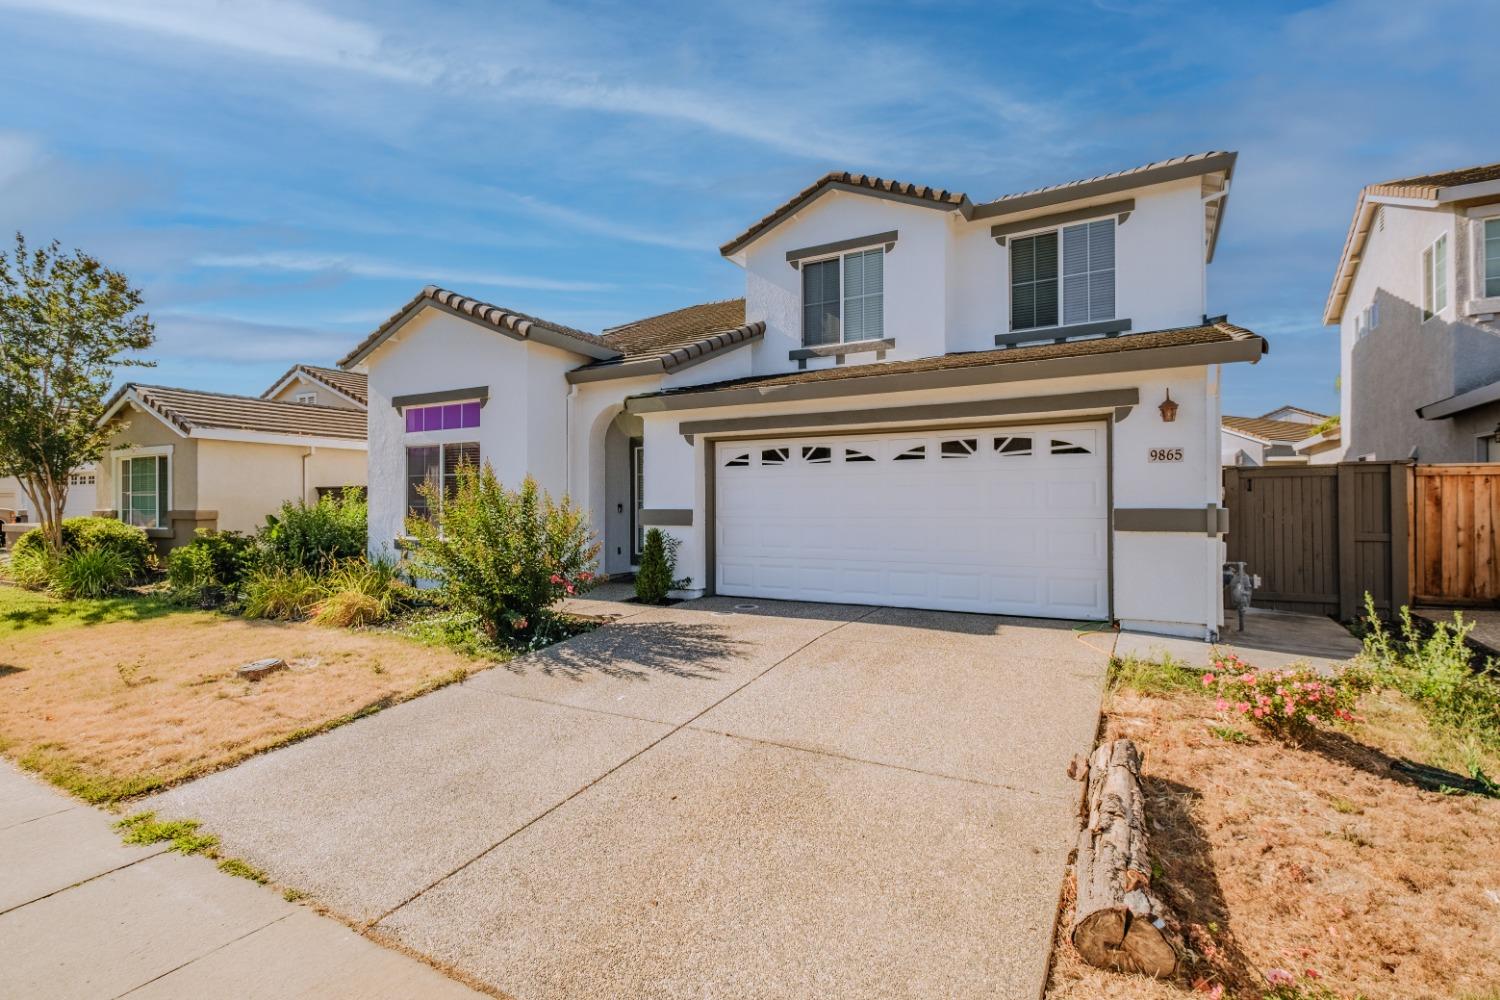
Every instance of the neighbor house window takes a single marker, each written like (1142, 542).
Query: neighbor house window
(843, 298)
(1491, 258)
(143, 491)
(446, 417)
(1077, 288)
(308, 398)
(1435, 278)
(437, 464)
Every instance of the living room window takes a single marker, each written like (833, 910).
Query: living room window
(437, 464)
(1075, 286)
(843, 298)
(1435, 277)
(143, 484)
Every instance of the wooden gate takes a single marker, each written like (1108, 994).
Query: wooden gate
(1321, 536)
(1455, 514)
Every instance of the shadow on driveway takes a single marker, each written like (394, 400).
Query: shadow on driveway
(632, 650)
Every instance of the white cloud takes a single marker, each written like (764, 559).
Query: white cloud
(365, 267)
(277, 29)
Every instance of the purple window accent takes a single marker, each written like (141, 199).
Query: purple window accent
(453, 415)
(432, 418)
(471, 415)
(413, 419)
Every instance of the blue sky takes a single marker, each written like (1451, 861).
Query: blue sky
(281, 175)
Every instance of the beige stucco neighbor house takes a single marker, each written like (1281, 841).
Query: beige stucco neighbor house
(922, 400)
(1416, 298)
(182, 459)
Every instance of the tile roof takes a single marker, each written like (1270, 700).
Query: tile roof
(1217, 332)
(842, 179)
(1428, 185)
(1298, 409)
(657, 335)
(351, 384)
(1145, 168)
(1263, 429)
(192, 409)
(514, 322)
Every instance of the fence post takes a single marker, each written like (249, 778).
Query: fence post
(1401, 535)
(1346, 497)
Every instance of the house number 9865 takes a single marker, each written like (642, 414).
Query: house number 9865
(1166, 454)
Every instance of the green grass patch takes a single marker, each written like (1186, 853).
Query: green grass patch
(182, 834)
(28, 610)
(49, 764)
(1166, 675)
(292, 895)
(1229, 734)
(243, 869)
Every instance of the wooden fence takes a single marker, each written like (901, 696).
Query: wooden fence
(1455, 516)
(1321, 536)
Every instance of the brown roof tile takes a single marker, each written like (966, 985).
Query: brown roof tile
(657, 335)
(351, 384)
(190, 409)
(1263, 429)
(1211, 333)
(507, 319)
(1428, 185)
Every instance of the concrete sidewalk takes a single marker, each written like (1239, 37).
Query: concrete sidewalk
(1272, 639)
(84, 916)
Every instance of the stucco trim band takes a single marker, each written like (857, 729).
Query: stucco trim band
(1059, 334)
(1099, 400)
(1211, 519)
(479, 392)
(1003, 230)
(888, 239)
(839, 350)
(666, 517)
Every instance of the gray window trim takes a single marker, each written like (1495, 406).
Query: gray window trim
(796, 257)
(479, 392)
(1058, 334)
(1120, 209)
(1210, 519)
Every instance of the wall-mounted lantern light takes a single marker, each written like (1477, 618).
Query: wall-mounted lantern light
(1168, 408)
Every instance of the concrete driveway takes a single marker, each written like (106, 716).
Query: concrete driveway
(719, 799)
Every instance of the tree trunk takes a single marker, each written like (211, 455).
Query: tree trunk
(1118, 922)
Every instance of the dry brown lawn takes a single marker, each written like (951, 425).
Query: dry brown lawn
(1308, 858)
(116, 709)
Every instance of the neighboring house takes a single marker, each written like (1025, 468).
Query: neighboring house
(1008, 406)
(1286, 436)
(182, 459)
(80, 502)
(1417, 300)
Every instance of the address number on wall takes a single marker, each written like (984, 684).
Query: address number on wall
(1166, 454)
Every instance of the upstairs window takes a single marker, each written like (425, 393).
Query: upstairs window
(1435, 278)
(1491, 258)
(445, 417)
(1078, 288)
(843, 298)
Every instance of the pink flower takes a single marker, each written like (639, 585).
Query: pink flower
(1242, 707)
(556, 579)
(1208, 679)
(1280, 977)
(1260, 713)
(572, 589)
(520, 623)
(1221, 705)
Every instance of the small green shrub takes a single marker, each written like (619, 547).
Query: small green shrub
(361, 592)
(504, 555)
(655, 578)
(316, 537)
(210, 568)
(32, 565)
(283, 594)
(1436, 670)
(1163, 676)
(91, 573)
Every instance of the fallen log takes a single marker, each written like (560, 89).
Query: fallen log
(1118, 922)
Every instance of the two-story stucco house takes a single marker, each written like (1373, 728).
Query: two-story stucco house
(1417, 301)
(1288, 435)
(1006, 406)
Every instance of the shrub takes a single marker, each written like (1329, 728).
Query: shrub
(285, 594)
(32, 566)
(1437, 671)
(91, 573)
(1288, 704)
(361, 592)
(316, 537)
(86, 534)
(210, 567)
(654, 580)
(504, 555)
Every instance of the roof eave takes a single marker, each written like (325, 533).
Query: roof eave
(676, 359)
(964, 207)
(1249, 348)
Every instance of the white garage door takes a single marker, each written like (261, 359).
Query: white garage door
(1007, 520)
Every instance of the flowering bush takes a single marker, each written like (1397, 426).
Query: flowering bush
(1286, 703)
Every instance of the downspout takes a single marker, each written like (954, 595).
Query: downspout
(305, 456)
(568, 439)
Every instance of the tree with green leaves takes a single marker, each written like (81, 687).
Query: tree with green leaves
(66, 323)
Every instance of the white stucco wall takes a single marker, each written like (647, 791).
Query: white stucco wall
(523, 427)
